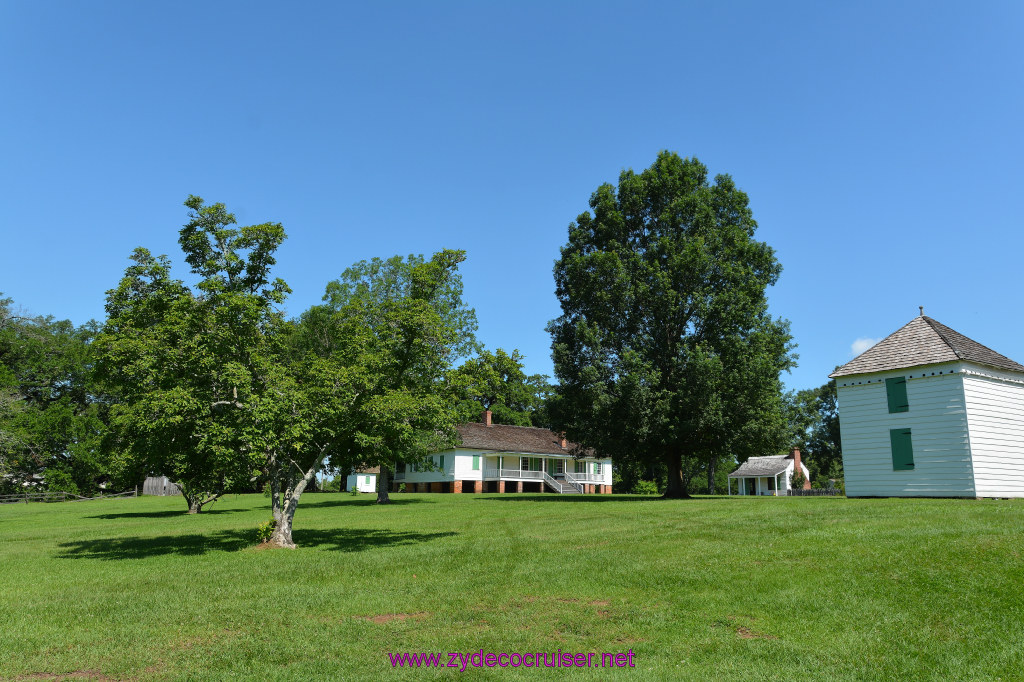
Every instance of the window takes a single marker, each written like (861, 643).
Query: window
(597, 468)
(579, 467)
(896, 394)
(367, 480)
(441, 462)
(902, 450)
(524, 463)
(476, 462)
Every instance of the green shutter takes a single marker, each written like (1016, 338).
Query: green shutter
(902, 450)
(896, 393)
(476, 462)
(442, 462)
(367, 480)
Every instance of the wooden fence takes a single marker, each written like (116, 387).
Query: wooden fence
(58, 496)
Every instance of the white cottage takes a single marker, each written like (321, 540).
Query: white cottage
(927, 412)
(769, 475)
(496, 458)
(363, 480)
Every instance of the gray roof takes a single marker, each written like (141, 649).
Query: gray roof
(762, 466)
(923, 341)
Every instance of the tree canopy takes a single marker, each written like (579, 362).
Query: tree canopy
(415, 325)
(665, 350)
(496, 382)
(185, 364)
(52, 420)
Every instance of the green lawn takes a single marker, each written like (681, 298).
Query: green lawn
(725, 588)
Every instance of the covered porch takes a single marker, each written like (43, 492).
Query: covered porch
(513, 472)
(762, 476)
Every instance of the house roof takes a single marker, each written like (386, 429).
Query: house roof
(762, 466)
(367, 470)
(923, 341)
(525, 439)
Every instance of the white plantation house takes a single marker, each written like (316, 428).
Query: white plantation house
(928, 412)
(768, 475)
(495, 458)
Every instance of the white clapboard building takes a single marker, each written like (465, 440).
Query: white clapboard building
(928, 412)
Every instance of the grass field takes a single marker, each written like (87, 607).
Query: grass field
(712, 588)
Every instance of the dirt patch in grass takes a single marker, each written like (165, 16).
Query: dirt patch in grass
(601, 602)
(742, 631)
(391, 617)
(747, 633)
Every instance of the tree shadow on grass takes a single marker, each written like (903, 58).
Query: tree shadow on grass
(358, 540)
(163, 514)
(359, 502)
(343, 540)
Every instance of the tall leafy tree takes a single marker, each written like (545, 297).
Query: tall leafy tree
(814, 424)
(52, 422)
(185, 363)
(417, 326)
(665, 350)
(496, 382)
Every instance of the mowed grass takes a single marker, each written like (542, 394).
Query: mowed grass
(710, 588)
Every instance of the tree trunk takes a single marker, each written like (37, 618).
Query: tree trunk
(711, 477)
(194, 506)
(286, 504)
(282, 536)
(383, 483)
(676, 488)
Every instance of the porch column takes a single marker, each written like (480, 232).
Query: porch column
(501, 485)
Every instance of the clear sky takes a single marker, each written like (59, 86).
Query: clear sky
(880, 143)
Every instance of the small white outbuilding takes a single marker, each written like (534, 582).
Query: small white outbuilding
(769, 475)
(928, 412)
(363, 480)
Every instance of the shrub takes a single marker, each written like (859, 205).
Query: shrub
(265, 530)
(60, 480)
(797, 480)
(645, 488)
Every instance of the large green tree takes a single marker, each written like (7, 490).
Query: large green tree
(813, 416)
(52, 420)
(416, 326)
(665, 350)
(496, 382)
(183, 363)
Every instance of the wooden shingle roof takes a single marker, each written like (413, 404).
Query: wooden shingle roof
(923, 341)
(504, 438)
(762, 466)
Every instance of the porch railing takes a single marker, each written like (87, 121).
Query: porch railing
(514, 473)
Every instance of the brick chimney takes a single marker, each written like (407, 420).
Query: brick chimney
(797, 466)
(486, 418)
(562, 441)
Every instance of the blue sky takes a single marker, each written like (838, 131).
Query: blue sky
(880, 144)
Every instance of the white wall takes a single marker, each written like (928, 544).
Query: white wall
(995, 414)
(358, 481)
(937, 418)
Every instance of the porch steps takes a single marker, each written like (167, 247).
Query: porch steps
(563, 488)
